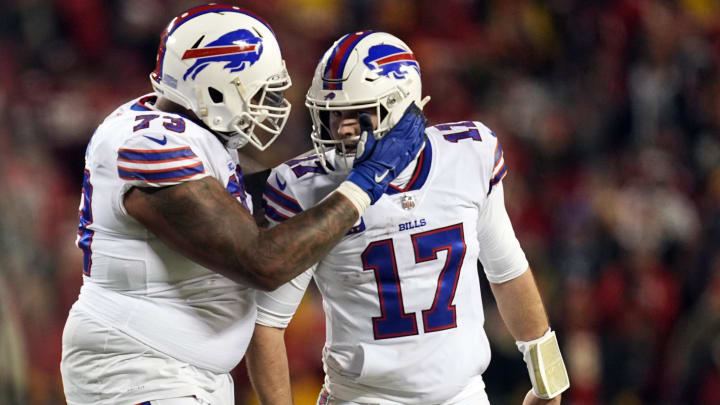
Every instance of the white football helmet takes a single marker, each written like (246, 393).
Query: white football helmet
(224, 64)
(361, 70)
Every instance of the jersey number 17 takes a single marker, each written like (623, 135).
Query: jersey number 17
(379, 257)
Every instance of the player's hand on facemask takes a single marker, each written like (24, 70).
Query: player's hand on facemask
(379, 161)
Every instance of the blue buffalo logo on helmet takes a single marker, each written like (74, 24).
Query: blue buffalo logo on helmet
(390, 61)
(238, 49)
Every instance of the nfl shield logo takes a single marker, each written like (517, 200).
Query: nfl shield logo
(407, 202)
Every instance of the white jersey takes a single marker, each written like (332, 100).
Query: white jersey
(132, 280)
(401, 294)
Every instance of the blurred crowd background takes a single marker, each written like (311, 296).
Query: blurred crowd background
(608, 112)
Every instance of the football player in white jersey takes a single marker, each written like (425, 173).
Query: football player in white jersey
(401, 294)
(171, 251)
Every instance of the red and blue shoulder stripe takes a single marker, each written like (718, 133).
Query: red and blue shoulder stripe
(499, 169)
(159, 166)
(282, 200)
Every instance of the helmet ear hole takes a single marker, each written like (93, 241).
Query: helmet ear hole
(215, 95)
(383, 113)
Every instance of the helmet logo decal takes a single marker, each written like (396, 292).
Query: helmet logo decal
(390, 61)
(329, 96)
(239, 49)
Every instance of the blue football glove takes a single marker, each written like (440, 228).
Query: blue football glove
(378, 162)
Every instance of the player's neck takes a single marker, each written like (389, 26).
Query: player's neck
(166, 105)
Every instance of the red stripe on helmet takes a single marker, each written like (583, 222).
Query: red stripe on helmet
(333, 70)
(188, 14)
(216, 51)
(396, 57)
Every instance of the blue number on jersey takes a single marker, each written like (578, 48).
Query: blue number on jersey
(170, 123)
(427, 244)
(455, 131)
(302, 169)
(144, 121)
(174, 124)
(85, 235)
(380, 257)
(393, 321)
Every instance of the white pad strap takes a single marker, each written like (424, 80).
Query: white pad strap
(545, 365)
(355, 194)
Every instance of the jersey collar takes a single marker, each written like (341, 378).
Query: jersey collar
(144, 102)
(419, 176)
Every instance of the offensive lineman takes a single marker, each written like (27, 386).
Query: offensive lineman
(171, 251)
(404, 317)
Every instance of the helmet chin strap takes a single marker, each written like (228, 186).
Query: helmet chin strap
(235, 141)
(343, 162)
(238, 138)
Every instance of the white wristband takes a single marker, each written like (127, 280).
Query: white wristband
(545, 365)
(355, 194)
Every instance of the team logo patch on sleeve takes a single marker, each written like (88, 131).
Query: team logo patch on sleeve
(238, 49)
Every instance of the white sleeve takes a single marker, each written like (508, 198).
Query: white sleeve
(143, 161)
(276, 308)
(500, 253)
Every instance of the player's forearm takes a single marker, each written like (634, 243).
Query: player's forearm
(521, 307)
(202, 221)
(522, 310)
(295, 245)
(267, 364)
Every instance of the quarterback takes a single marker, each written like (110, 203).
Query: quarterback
(401, 294)
(172, 255)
